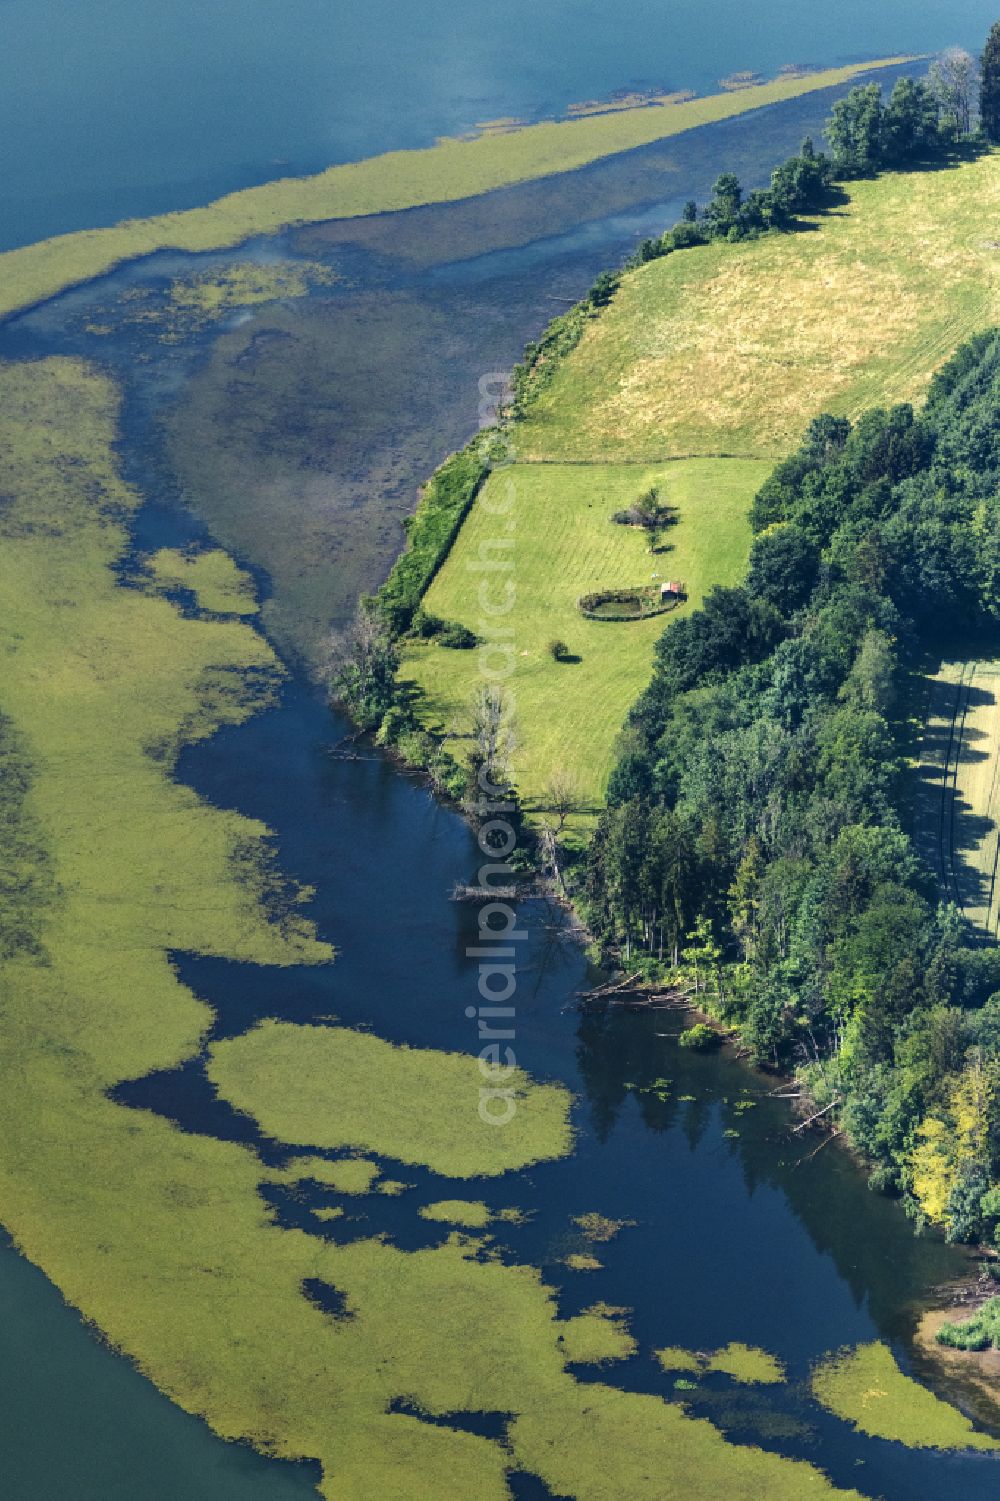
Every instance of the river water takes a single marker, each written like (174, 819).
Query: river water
(734, 1235)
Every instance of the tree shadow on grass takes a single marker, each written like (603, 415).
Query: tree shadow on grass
(959, 844)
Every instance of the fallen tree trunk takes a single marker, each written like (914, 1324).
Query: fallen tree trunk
(818, 1116)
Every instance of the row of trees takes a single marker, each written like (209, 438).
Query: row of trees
(989, 87)
(919, 122)
(956, 83)
(761, 801)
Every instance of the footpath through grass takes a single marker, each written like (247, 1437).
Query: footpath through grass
(958, 806)
(718, 357)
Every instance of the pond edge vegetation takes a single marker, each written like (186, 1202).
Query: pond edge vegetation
(929, 1132)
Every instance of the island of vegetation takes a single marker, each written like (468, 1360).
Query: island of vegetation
(308, 1346)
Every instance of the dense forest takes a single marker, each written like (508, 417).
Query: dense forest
(760, 816)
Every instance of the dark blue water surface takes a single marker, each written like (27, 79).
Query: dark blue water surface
(124, 107)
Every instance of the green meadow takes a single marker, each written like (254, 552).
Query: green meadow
(704, 370)
(443, 173)
(161, 1238)
(565, 545)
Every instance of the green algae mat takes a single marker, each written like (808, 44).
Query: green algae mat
(159, 1237)
(866, 1388)
(163, 1239)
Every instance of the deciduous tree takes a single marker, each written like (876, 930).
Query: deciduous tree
(954, 80)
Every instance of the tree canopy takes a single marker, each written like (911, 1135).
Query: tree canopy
(762, 793)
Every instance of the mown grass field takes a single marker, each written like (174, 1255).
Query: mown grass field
(726, 350)
(566, 545)
(731, 349)
(958, 812)
(443, 173)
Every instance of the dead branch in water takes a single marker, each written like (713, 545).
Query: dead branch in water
(460, 893)
(633, 996)
(819, 1114)
(600, 991)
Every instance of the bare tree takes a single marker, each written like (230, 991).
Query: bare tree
(560, 797)
(954, 81)
(362, 666)
(493, 733)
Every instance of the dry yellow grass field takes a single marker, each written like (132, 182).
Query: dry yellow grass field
(731, 349)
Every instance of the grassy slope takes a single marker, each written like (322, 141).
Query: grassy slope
(725, 350)
(158, 1236)
(733, 348)
(399, 179)
(566, 545)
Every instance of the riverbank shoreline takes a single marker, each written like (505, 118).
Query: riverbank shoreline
(974, 1371)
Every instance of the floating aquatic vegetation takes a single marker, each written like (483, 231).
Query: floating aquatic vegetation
(399, 179)
(210, 294)
(579, 1261)
(471, 1212)
(866, 1387)
(334, 1087)
(348, 1175)
(743, 1363)
(219, 586)
(599, 1227)
(597, 1335)
(675, 1359)
(747, 1363)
